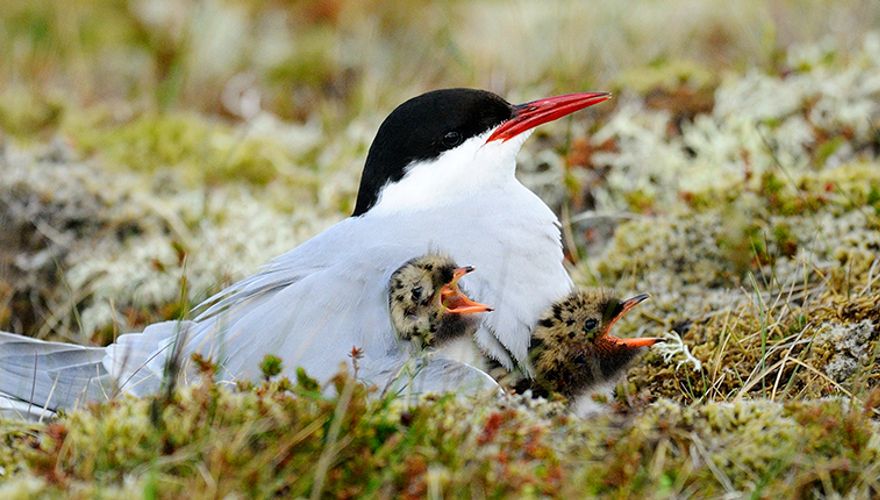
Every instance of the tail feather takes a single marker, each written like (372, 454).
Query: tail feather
(36, 374)
(51, 375)
(15, 409)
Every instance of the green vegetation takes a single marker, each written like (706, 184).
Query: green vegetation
(284, 439)
(153, 152)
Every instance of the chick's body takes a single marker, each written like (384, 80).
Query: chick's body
(421, 311)
(571, 349)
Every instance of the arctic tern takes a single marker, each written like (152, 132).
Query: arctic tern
(439, 176)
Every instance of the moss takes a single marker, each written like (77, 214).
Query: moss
(16, 438)
(266, 441)
(690, 248)
(270, 366)
(758, 350)
(279, 439)
(198, 150)
(692, 258)
(785, 240)
(667, 75)
(25, 113)
(130, 238)
(757, 447)
(24, 487)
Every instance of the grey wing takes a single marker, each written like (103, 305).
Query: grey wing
(306, 259)
(313, 322)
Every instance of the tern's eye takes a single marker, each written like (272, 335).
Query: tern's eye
(590, 325)
(451, 139)
(417, 294)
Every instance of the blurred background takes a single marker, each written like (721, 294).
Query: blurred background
(155, 151)
(331, 60)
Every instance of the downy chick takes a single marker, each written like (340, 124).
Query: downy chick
(572, 348)
(427, 306)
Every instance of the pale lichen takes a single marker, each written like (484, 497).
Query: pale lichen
(844, 349)
(674, 347)
(760, 123)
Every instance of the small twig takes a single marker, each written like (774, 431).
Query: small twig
(33, 384)
(784, 361)
(45, 408)
(594, 215)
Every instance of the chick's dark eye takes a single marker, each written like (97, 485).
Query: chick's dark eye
(417, 294)
(590, 325)
(451, 139)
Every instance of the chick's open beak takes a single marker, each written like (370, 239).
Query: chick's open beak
(625, 307)
(531, 114)
(453, 300)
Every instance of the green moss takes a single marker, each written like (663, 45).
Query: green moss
(825, 349)
(758, 447)
(270, 366)
(639, 201)
(785, 239)
(15, 440)
(269, 440)
(668, 75)
(732, 276)
(690, 248)
(199, 150)
(24, 113)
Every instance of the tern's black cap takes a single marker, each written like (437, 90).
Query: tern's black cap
(421, 129)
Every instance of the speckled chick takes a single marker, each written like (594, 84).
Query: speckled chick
(426, 304)
(572, 348)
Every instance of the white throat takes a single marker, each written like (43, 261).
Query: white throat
(472, 168)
